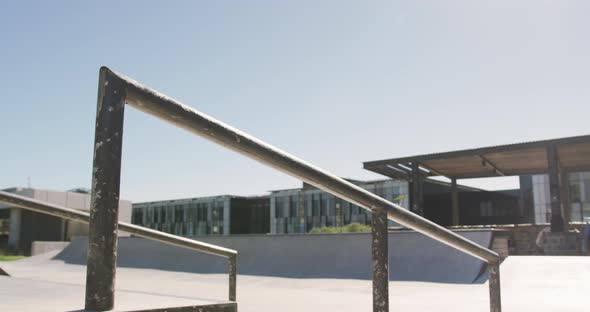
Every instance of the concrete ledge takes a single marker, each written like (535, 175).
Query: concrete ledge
(412, 256)
(41, 247)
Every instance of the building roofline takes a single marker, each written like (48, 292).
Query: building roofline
(481, 150)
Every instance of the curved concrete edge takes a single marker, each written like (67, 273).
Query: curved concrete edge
(413, 257)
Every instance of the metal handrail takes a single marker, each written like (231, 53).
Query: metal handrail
(181, 115)
(84, 217)
(127, 90)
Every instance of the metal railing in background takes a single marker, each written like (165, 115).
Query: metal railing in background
(80, 216)
(115, 90)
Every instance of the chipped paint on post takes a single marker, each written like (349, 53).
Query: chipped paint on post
(494, 284)
(233, 269)
(380, 261)
(104, 209)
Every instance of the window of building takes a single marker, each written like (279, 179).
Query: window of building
(280, 205)
(163, 214)
(486, 209)
(315, 205)
(293, 206)
(323, 204)
(137, 216)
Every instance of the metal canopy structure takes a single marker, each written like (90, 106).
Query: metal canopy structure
(573, 154)
(555, 157)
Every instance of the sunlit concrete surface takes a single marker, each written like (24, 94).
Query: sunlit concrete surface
(528, 284)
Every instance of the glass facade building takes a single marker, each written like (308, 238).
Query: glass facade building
(216, 215)
(301, 210)
(188, 217)
(579, 197)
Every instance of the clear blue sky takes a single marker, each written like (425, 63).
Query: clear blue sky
(333, 82)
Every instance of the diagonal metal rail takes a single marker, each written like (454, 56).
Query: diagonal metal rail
(116, 90)
(83, 217)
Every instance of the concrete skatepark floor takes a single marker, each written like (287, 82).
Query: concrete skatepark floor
(528, 284)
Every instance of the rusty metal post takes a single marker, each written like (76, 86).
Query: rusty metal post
(233, 268)
(104, 209)
(494, 283)
(380, 251)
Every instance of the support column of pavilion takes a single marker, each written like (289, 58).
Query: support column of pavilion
(557, 221)
(454, 202)
(417, 190)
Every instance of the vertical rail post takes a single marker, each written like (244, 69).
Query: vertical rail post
(233, 264)
(494, 284)
(379, 248)
(104, 209)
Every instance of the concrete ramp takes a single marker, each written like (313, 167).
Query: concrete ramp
(413, 256)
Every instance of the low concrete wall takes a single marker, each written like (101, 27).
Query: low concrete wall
(413, 256)
(39, 247)
(522, 237)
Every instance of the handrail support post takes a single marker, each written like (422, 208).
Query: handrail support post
(233, 264)
(104, 209)
(494, 284)
(379, 249)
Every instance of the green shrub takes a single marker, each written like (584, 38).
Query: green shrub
(356, 227)
(10, 258)
(349, 228)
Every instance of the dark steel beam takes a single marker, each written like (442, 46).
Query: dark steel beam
(417, 193)
(506, 172)
(401, 168)
(183, 116)
(397, 171)
(575, 168)
(432, 171)
(565, 197)
(455, 202)
(481, 151)
(557, 223)
(104, 207)
(492, 173)
(394, 174)
(407, 166)
(494, 167)
(379, 248)
(408, 170)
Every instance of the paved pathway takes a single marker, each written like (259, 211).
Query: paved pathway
(528, 284)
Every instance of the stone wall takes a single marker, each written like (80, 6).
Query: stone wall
(563, 244)
(523, 237)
